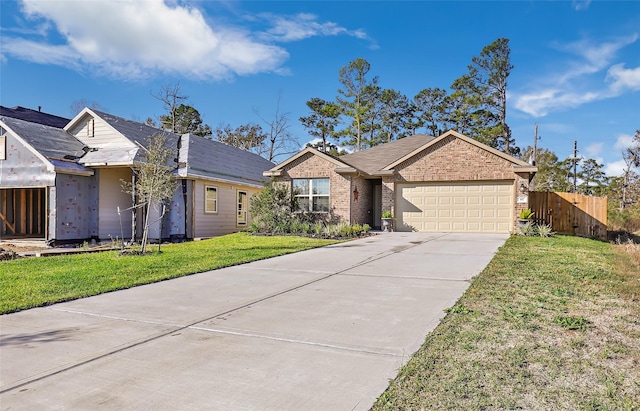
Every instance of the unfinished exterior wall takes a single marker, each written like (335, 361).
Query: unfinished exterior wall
(23, 168)
(76, 208)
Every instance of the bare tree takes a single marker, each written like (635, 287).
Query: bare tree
(279, 140)
(155, 183)
(171, 98)
(78, 105)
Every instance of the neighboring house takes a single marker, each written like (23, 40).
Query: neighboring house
(65, 185)
(449, 183)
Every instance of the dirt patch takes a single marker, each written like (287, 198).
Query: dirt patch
(7, 255)
(25, 247)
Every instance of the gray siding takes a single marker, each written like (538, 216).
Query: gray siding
(110, 197)
(224, 221)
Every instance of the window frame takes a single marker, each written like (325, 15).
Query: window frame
(206, 200)
(242, 208)
(310, 195)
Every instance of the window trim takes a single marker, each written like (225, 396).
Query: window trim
(310, 196)
(206, 190)
(239, 210)
(91, 131)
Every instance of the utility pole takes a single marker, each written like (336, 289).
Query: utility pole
(575, 163)
(534, 157)
(535, 146)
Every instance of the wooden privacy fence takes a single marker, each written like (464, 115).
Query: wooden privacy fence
(570, 213)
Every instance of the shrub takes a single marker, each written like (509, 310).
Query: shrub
(527, 229)
(543, 230)
(525, 214)
(273, 209)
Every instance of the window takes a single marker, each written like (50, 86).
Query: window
(242, 208)
(312, 194)
(210, 199)
(90, 127)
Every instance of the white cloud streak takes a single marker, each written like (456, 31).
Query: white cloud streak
(138, 39)
(305, 25)
(623, 142)
(579, 5)
(565, 89)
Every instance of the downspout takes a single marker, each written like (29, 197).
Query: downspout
(184, 186)
(134, 209)
(350, 200)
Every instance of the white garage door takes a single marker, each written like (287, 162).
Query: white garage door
(476, 207)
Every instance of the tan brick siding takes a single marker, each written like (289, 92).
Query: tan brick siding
(454, 160)
(361, 209)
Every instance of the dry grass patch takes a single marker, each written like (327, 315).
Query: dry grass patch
(552, 323)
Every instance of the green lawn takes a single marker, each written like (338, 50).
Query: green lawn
(550, 324)
(33, 282)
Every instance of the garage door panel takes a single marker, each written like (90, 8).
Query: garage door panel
(456, 207)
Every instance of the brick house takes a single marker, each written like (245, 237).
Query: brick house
(449, 183)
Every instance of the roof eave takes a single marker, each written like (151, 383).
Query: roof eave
(383, 173)
(347, 170)
(272, 173)
(525, 169)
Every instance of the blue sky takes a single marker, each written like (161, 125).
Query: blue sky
(576, 74)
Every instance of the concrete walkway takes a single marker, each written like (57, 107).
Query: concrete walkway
(323, 329)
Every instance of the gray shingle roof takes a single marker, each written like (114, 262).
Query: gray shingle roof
(34, 116)
(135, 131)
(376, 158)
(51, 142)
(211, 159)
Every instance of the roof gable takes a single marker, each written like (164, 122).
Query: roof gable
(50, 142)
(306, 150)
(114, 140)
(58, 149)
(516, 162)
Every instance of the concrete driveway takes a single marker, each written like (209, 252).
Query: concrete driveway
(323, 329)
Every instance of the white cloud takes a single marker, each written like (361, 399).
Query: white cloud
(615, 169)
(137, 39)
(621, 78)
(305, 25)
(540, 103)
(580, 4)
(623, 142)
(565, 89)
(594, 149)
